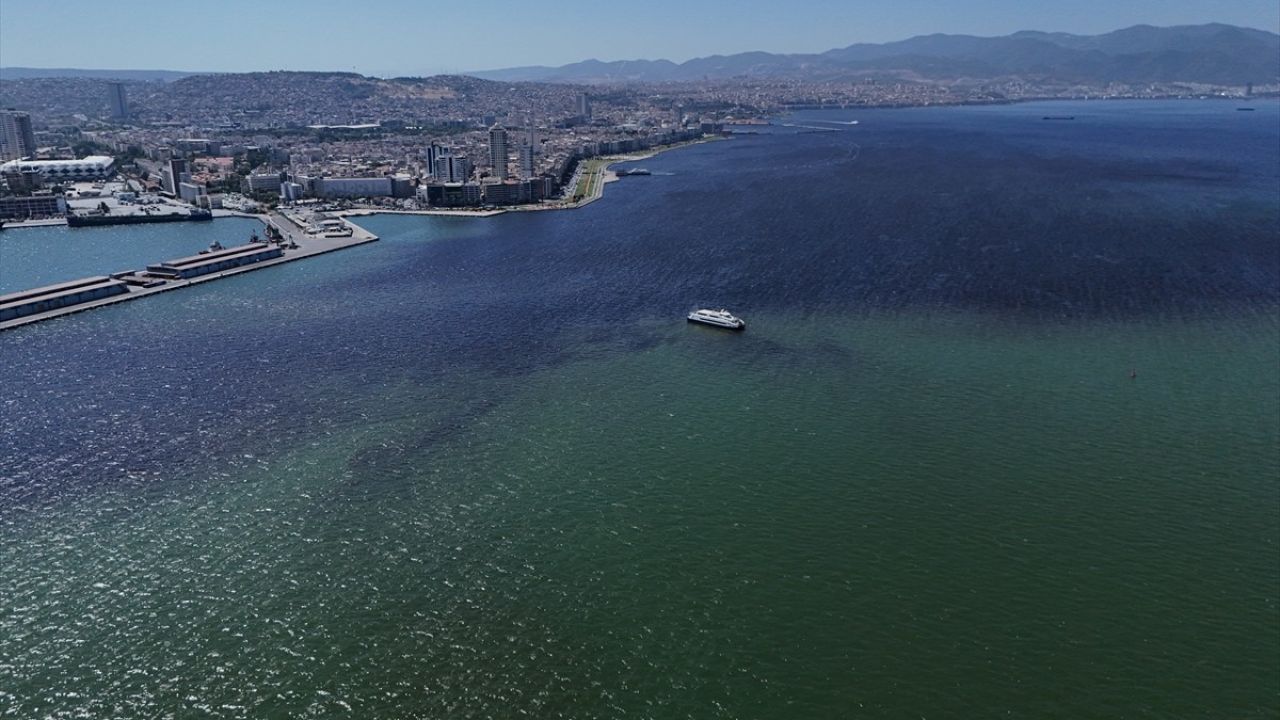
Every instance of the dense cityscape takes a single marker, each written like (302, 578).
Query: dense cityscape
(251, 141)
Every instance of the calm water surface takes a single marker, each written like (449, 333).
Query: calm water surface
(31, 257)
(483, 468)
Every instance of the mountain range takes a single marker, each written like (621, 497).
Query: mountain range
(1213, 53)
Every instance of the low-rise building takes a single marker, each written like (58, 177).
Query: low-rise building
(94, 167)
(402, 186)
(290, 192)
(353, 187)
(503, 193)
(268, 182)
(450, 194)
(191, 192)
(22, 207)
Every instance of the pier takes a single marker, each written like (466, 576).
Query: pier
(45, 303)
(54, 297)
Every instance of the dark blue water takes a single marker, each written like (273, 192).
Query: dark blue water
(483, 464)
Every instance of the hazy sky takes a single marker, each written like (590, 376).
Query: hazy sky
(422, 37)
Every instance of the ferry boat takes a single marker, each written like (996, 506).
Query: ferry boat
(720, 318)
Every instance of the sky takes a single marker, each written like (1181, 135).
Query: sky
(425, 37)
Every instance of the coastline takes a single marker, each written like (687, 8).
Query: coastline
(607, 176)
(308, 247)
(596, 191)
(596, 188)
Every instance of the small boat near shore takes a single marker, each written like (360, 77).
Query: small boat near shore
(719, 318)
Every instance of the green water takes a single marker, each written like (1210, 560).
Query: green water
(903, 514)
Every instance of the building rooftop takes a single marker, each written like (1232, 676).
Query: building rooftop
(101, 160)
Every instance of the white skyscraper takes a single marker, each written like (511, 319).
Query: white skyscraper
(498, 151)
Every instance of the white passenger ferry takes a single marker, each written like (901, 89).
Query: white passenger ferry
(720, 318)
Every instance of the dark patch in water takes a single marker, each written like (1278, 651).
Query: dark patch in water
(1117, 217)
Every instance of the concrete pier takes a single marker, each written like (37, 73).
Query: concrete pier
(50, 298)
(131, 285)
(211, 262)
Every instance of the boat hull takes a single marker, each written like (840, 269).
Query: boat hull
(721, 325)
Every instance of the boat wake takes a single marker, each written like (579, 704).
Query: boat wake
(810, 127)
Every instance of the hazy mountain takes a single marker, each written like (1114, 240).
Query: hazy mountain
(287, 98)
(1213, 53)
(25, 73)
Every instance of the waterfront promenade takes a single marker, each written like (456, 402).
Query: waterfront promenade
(591, 177)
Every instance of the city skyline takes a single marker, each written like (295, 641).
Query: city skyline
(521, 34)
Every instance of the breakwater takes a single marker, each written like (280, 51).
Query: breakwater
(137, 218)
(52, 301)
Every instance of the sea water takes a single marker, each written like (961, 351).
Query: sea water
(1001, 439)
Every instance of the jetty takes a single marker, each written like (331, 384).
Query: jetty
(287, 243)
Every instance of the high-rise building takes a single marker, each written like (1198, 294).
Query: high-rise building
(173, 174)
(432, 153)
(584, 106)
(17, 141)
(498, 151)
(452, 169)
(526, 160)
(118, 101)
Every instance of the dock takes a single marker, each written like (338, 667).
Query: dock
(52, 301)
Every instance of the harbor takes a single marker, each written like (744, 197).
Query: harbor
(287, 241)
(295, 235)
